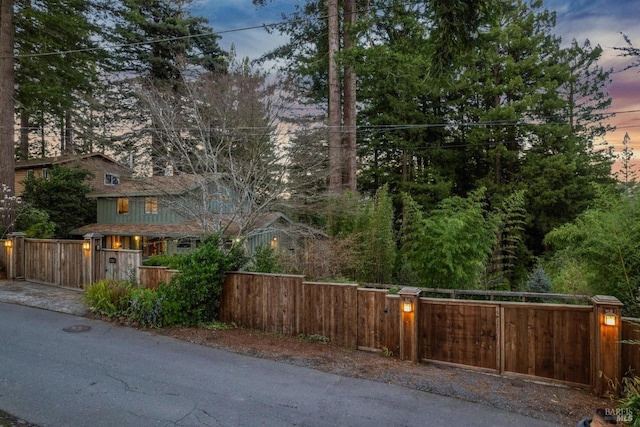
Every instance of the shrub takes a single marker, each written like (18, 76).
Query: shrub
(630, 401)
(145, 307)
(193, 295)
(266, 260)
(109, 297)
(171, 261)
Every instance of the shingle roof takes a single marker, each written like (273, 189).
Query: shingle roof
(24, 164)
(153, 186)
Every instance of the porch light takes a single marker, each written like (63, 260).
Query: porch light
(8, 243)
(407, 306)
(610, 318)
(86, 245)
(136, 238)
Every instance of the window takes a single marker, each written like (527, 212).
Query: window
(45, 173)
(184, 243)
(123, 205)
(151, 205)
(111, 179)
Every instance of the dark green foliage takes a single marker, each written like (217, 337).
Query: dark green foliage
(363, 229)
(34, 223)
(378, 241)
(450, 246)
(171, 261)
(501, 273)
(630, 401)
(63, 196)
(193, 295)
(538, 281)
(603, 242)
(109, 298)
(266, 260)
(48, 85)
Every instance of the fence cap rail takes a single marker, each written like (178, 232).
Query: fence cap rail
(606, 300)
(453, 293)
(331, 284)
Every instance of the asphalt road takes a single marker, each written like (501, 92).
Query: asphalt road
(62, 370)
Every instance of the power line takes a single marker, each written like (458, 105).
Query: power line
(161, 40)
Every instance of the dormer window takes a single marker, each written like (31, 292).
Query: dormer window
(111, 179)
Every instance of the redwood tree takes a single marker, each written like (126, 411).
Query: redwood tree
(7, 161)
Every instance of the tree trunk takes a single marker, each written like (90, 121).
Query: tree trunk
(349, 108)
(67, 135)
(25, 119)
(7, 106)
(335, 116)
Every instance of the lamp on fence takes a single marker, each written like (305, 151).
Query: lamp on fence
(86, 245)
(8, 243)
(610, 318)
(407, 306)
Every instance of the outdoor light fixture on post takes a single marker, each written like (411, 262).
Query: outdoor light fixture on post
(86, 245)
(610, 318)
(8, 243)
(607, 347)
(409, 307)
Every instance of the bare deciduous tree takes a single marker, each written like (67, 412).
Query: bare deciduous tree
(222, 133)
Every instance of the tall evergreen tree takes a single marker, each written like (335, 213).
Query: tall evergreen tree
(627, 173)
(7, 84)
(57, 60)
(160, 40)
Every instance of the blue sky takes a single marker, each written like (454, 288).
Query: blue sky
(600, 21)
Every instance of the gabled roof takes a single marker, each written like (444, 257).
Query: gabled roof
(191, 227)
(50, 161)
(151, 230)
(153, 186)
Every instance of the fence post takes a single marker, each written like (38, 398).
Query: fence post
(408, 323)
(16, 256)
(608, 333)
(93, 260)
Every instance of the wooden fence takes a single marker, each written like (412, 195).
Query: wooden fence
(631, 349)
(152, 276)
(55, 262)
(68, 263)
(558, 342)
(3, 256)
(568, 343)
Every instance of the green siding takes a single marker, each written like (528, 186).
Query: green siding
(108, 213)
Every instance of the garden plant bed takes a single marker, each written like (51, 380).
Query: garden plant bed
(560, 404)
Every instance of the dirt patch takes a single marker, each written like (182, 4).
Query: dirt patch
(559, 404)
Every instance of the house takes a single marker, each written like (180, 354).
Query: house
(107, 172)
(170, 215)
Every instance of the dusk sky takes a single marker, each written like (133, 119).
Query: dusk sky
(600, 21)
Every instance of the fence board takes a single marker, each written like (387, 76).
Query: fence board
(631, 352)
(549, 341)
(378, 320)
(55, 262)
(4, 260)
(265, 302)
(122, 264)
(151, 276)
(330, 310)
(460, 332)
